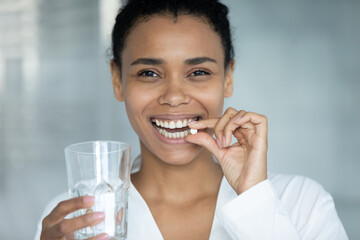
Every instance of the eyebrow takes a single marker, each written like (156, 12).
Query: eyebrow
(158, 61)
(199, 60)
(148, 61)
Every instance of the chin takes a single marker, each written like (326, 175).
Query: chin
(178, 161)
(174, 155)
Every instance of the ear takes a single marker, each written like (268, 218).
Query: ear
(228, 83)
(116, 81)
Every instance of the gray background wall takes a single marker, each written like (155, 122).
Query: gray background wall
(297, 62)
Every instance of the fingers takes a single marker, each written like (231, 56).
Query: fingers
(201, 124)
(221, 129)
(258, 121)
(207, 123)
(67, 226)
(102, 236)
(232, 120)
(207, 141)
(230, 127)
(66, 207)
(244, 120)
(56, 227)
(217, 124)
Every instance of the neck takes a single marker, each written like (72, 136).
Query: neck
(158, 180)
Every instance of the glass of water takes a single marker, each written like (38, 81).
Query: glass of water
(101, 169)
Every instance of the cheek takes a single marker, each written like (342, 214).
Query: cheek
(212, 99)
(135, 102)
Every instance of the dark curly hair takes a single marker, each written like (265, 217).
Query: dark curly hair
(134, 11)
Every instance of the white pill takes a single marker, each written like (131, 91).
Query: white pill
(193, 131)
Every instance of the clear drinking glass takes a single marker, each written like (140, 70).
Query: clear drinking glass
(101, 169)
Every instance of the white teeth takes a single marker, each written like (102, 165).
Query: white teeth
(173, 135)
(169, 124)
(179, 124)
(190, 120)
(172, 125)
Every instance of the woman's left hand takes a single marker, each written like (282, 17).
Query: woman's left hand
(243, 163)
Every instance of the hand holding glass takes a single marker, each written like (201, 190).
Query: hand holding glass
(101, 169)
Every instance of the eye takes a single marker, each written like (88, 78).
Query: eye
(148, 73)
(199, 72)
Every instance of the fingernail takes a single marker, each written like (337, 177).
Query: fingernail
(228, 143)
(218, 143)
(191, 123)
(89, 210)
(88, 199)
(98, 215)
(223, 142)
(103, 236)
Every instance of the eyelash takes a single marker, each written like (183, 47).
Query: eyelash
(145, 72)
(204, 72)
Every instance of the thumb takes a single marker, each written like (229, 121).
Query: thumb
(207, 141)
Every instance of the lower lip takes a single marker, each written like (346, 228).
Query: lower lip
(168, 140)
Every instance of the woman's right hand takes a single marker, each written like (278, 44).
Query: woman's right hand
(55, 226)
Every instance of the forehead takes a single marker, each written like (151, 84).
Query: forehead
(166, 37)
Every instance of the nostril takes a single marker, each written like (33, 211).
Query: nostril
(174, 96)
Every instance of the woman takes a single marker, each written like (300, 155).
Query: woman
(173, 65)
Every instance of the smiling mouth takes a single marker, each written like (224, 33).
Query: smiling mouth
(173, 128)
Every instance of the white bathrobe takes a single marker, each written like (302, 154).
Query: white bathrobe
(282, 207)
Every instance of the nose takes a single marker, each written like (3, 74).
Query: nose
(174, 93)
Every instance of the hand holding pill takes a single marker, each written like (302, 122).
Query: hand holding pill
(244, 163)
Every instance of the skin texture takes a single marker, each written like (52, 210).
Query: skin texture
(180, 182)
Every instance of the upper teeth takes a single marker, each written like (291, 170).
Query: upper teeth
(172, 124)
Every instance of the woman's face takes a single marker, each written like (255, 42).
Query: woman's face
(172, 72)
